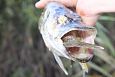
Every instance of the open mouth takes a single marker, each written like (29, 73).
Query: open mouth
(79, 44)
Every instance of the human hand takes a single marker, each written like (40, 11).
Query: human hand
(89, 10)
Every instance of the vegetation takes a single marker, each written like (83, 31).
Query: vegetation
(23, 53)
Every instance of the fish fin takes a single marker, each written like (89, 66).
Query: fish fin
(84, 67)
(60, 63)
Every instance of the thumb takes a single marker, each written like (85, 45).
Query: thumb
(87, 17)
(90, 20)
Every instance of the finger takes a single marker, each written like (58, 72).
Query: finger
(68, 3)
(90, 20)
(42, 3)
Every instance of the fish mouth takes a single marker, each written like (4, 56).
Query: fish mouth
(79, 44)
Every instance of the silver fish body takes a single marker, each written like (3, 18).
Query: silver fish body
(54, 23)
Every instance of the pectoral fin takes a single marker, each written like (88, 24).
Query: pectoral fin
(60, 63)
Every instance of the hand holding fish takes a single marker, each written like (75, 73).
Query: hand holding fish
(89, 10)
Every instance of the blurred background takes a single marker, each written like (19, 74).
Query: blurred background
(23, 53)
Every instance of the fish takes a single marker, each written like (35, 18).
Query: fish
(55, 22)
